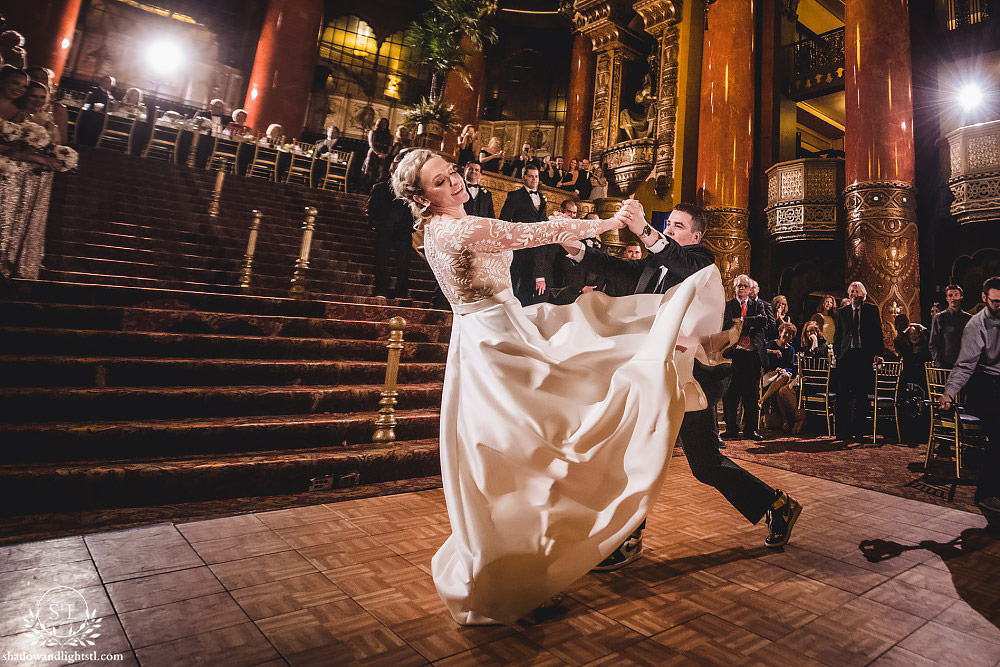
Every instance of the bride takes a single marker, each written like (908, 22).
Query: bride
(557, 422)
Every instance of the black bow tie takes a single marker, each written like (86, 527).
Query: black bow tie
(532, 192)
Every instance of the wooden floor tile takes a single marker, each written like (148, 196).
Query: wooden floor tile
(240, 645)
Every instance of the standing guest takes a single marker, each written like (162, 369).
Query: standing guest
(392, 221)
(827, 310)
(101, 93)
(813, 343)
(238, 127)
(749, 357)
(13, 86)
(379, 143)
(946, 328)
(598, 183)
(524, 158)
(583, 184)
(480, 200)
(570, 177)
(491, 156)
(329, 142)
(55, 111)
(935, 308)
(400, 142)
(977, 370)
(465, 141)
(526, 204)
(554, 173)
(858, 345)
(216, 114)
(781, 372)
(12, 49)
(33, 103)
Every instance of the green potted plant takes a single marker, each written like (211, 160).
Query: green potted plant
(430, 120)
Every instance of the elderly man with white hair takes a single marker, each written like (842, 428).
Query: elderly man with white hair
(858, 344)
(216, 113)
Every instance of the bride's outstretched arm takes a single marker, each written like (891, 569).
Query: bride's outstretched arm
(487, 234)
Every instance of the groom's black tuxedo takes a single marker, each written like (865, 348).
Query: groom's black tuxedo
(529, 263)
(699, 435)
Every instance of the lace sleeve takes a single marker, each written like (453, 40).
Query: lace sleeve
(489, 235)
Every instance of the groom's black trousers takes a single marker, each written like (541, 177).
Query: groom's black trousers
(700, 440)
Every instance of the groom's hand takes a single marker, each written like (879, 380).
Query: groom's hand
(635, 218)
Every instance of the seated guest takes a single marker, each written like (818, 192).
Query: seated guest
(131, 104)
(779, 306)
(781, 371)
(480, 200)
(330, 142)
(465, 140)
(946, 328)
(554, 173)
(275, 135)
(813, 343)
(216, 113)
(570, 176)
(598, 183)
(491, 155)
(827, 312)
(911, 346)
(101, 93)
(392, 221)
(525, 157)
(977, 370)
(12, 49)
(238, 127)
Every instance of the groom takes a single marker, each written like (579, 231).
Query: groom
(673, 256)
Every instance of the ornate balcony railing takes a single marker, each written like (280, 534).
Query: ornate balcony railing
(961, 13)
(816, 65)
(802, 199)
(974, 153)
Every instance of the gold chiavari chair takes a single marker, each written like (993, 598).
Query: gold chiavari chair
(224, 155)
(336, 167)
(300, 169)
(953, 430)
(264, 163)
(163, 140)
(116, 133)
(814, 388)
(885, 404)
(72, 120)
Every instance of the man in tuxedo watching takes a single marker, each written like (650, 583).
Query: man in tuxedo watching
(101, 93)
(392, 221)
(216, 113)
(554, 173)
(673, 256)
(528, 268)
(480, 201)
(858, 345)
(749, 357)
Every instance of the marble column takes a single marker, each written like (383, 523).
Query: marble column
(48, 27)
(283, 67)
(882, 250)
(467, 98)
(580, 102)
(725, 138)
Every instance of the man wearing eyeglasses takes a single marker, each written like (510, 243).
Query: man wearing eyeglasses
(749, 357)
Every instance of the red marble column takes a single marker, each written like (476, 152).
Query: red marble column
(281, 79)
(882, 250)
(725, 135)
(47, 26)
(468, 101)
(580, 98)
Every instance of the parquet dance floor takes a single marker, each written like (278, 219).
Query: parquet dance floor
(869, 578)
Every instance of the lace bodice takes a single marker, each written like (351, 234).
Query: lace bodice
(471, 256)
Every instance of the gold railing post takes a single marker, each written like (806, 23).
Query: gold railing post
(385, 421)
(298, 288)
(195, 136)
(251, 249)
(213, 207)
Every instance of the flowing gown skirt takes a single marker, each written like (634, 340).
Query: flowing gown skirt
(557, 424)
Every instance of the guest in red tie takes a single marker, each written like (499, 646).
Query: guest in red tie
(749, 357)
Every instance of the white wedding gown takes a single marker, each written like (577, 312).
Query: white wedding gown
(557, 422)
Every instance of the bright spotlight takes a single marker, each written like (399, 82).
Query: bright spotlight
(970, 96)
(165, 57)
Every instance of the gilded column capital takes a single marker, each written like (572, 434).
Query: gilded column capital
(657, 14)
(606, 25)
(727, 236)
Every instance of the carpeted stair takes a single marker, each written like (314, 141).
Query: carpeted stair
(136, 374)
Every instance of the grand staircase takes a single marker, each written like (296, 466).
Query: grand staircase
(137, 380)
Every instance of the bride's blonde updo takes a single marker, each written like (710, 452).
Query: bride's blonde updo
(406, 182)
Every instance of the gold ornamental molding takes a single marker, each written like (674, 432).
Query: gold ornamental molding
(727, 236)
(605, 23)
(656, 14)
(974, 153)
(629, 162)
(803, 201)
(882, 247)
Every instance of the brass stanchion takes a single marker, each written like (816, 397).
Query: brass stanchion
(298, 288)
(251, 249)
(195, 136)
(385, 422)
(213, 207)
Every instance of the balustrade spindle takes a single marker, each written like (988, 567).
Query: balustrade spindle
(213, 207)
(385, 421)
(251, 249)
(298, 288)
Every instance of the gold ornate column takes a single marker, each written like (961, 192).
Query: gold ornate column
(660, 19)
(882, 250)
(604, 22)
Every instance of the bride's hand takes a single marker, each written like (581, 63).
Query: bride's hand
(635, 216)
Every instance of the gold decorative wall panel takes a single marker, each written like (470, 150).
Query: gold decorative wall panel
(802, 199)
(974, 153)
(726, 236)
(629, 162)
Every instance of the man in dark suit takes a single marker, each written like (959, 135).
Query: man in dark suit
(749, 357)
(673, 256)
(216, 113)
(858, 345)
(101, 93)
(329, 142)
(527, 270)
(480, 201)
(392, 221)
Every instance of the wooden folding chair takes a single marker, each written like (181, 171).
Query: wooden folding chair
(265, 163)
(116, 133)
(953, 430)
(337, 165)
(72, 120)
(224, 155)
(886, 392)
(814, 389)
(162, 143)
(300, 169)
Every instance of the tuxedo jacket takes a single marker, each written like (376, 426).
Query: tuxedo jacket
(518, 208)
(756, 324)
(871, 331)
(516, 168)
(681, 262)
(97, 96)
(386, 212)
(223, 119)
(481, 204)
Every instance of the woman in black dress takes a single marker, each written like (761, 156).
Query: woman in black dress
(491, 155)
(379, 142)
(465, 141)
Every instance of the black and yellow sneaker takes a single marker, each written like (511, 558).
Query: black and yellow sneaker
(781, 517)
(628, 551)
